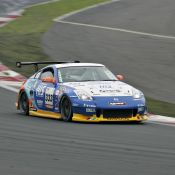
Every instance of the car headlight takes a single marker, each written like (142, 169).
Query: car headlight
(83, 95)
(137, 94)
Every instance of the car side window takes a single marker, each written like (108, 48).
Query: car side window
(48, 72)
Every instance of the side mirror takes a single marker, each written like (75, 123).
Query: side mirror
(49, 80)
(120, 77)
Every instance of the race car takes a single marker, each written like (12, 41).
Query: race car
(84, 92)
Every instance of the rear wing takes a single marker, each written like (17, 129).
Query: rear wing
(36, 63)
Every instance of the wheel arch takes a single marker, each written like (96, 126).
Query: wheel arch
(19, 96)
(64, 116)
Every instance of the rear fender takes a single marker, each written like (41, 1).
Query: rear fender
(21, 91)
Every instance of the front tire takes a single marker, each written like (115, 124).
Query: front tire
(24, 104)
(66, 109)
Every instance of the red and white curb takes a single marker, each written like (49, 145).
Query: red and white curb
(162, 119)
(9, 75)
(10, 17)
(9, 79)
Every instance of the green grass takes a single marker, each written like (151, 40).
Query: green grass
(21, 41)
(160, 107)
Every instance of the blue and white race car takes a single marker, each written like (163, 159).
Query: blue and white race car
(75, 91)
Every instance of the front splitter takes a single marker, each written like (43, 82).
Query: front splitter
(94, 118)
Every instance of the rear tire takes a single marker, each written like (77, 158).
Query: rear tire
(66, 109)
(24, 104)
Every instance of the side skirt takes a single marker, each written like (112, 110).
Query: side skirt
(46, 114)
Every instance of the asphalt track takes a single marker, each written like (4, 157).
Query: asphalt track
(147, 62)
(32, 145)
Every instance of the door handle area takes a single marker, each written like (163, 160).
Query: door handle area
(31, 93)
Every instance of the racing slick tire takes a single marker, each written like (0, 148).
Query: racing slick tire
(66, 109)
(24, 103)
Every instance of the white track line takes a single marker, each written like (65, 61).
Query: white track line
(11, 83)
(5, 19)
(160, 118)
(42, 3)
(16, 13)
(160, 123)
(84, 9)
(118, 29)
(9, 88)
(61, 20)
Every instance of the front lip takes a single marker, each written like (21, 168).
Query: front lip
(94, 118)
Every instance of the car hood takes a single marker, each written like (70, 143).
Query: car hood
(102, 88)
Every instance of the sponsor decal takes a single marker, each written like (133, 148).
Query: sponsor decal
(75, 104)
(35, 84)
(117, 103)
(29, 84)
(49, 106)
(105, 86)
(96, 94)
(40, 90)
(141, 109)
(100, 89)
(56, 100)
(140, 105)
(90, 110)
(33, 108)
(57, 92)
(39, 102)
(116, 99)
(92, 118)
(88, 106)
(109, 91)
(56, 108)
(61, 90)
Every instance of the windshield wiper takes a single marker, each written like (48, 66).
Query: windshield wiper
(88, 80)
(108, 80)
(96, 80)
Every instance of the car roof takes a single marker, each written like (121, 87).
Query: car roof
(77, 64)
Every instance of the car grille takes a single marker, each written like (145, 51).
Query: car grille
(119, 113)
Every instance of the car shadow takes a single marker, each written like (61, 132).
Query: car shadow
(88, 123)
(111, 123)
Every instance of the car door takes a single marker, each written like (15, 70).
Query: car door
(45, 90)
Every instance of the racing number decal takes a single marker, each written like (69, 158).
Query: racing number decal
(49, 97)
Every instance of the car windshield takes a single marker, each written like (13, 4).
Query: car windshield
(85, 73)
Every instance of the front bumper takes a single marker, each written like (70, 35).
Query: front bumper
(96, 114)
(107, 109)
